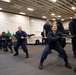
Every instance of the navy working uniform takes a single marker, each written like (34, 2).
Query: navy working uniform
(62, 41)
(21, 42)
(6, 42)
(0, 42)
(47, 27)
(53, 44)
(72, 28)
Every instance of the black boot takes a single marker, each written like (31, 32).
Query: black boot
(16, 54)
(27, 56)
(41, 65)
(68, 65)
(75, 69)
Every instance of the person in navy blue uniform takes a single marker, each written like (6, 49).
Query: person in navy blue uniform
(6, 42)
(53, 37)
(72, 28)
(0, 42)
(46, 29)
(21, 37)
(60, 28)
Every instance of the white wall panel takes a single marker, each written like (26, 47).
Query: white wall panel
(66, 25)
(36, 26)
(12, 21)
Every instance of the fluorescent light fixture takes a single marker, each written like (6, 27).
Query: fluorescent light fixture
(0, 8)
(53, 1)
(6, 0)
(73, 8)
(59, 16)
(22, 13)
(32, 20)
(44, 17)
(52, 14)
(30, 9)
(62, 19)
(53, 19)
(71, 18)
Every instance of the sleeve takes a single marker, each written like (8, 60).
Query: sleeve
(44, 27)
(51, 38)
(71, 28)
(17, 36)
(24, 34)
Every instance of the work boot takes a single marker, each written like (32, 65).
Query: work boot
(41, 65)
(5, 50)
(16, 54)
(68, 65)
(27, 56)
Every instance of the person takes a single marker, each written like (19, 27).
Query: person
(0, 42)
(6, 41)
(60, 28)
(46, 29)
(53, 37)
(75, 69)
(21, 37)
(72, 28)
(9, 34)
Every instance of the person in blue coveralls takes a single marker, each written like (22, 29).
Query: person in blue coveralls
(46, 29)
(6, 42)
(21, 37)
(53, 37)
(72, 28)
(60, 28)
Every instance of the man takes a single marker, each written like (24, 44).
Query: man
(53, 37)
(60, 28)
(21, 37)
(46, 29)
(72, 28)
(6, 41)
(9, 34)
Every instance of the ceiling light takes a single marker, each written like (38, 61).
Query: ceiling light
(44, 17)
(53, 0)
(52, 14)
(73, 8)
(6, 0)
(30, 9)
(59, 16)
(71, 18)
(22, 13)
(62, 19)
(0, 8)
(53, 19)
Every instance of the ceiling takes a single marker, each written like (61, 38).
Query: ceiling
(41, 8)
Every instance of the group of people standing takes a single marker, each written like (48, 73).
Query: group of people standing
(52, 34)
(53, 39)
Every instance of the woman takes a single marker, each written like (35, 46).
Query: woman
(53, 37)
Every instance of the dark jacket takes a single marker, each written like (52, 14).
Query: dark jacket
(60, 27)
(18, 35)
(53, 38)
(47, 27)
(72, 27)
